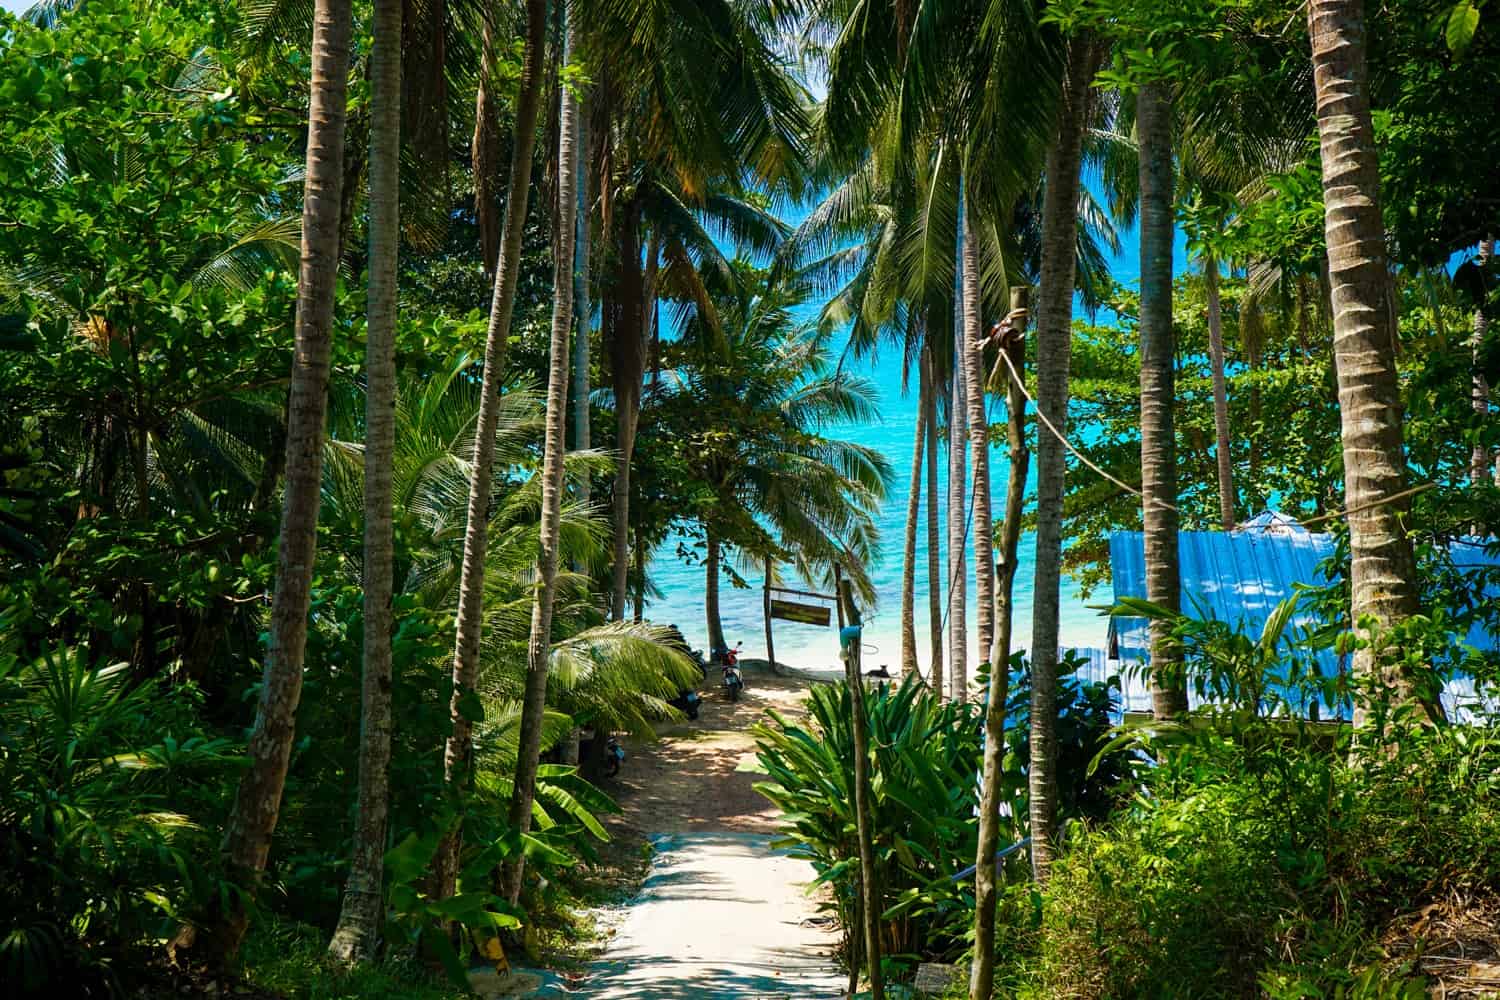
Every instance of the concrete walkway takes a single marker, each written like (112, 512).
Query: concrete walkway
(720, 915)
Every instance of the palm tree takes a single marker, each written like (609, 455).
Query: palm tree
(683, 129)
(1223, 458)
(913, 507)
(534, 701)
(358, 929)
(1383, 579)
(934, 540)
(1053, 354)
(1011, 343)
(979, 431)
(1479, 459)
(457, 754)
(1153, 122)
(752, 402)
(247, 838)
(958, 525)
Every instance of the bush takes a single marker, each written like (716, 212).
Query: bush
(97, 860)
(924, 757)
(1261, 862)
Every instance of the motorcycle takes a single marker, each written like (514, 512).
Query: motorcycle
(729, 664)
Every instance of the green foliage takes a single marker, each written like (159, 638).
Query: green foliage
(291, 960)
(1259, 861)
(924, 758)
(99, 862)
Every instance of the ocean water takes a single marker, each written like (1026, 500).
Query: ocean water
(812, 647)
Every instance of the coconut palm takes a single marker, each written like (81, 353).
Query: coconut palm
(355, 937)
(471, 587)
(674, 126)
(534, 701)
(753, 399)
(248, 830)
(1383, 580)
(1153, 123)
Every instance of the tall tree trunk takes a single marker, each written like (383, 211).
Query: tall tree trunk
(711, 598)
(979, 434)
(1054, 337)
(534, 700)
(627, 354)
(958, 526)
(363, 912)
(1221, 390)
(484, 156)
(929, 394)
(582, 435)
(909, 554)
(1383, 574)
(986, 881)
(1153, 124)
(766, 596)
(1479, 460)
(458, 754)
(257, 803)
(638, 553)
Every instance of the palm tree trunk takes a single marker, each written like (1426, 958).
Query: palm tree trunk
(958, 541)
(638, 553)
(711, 598)
(1053, 357)
(909, 556)
(929, 394)
(582, 436)
(1479, 459)
(533, 701)
(484, 156)
(627, 360)
(1153, 124)
(358, 930)
(458, 753)
(247, 837)
(979, 435)
(1383, 573)
(766, 596)
(986, 882)
(1221, 390)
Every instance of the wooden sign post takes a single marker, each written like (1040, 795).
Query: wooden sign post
(849, 640)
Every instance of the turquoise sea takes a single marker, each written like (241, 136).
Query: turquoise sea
(811, 647)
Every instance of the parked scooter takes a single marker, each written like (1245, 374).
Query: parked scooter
(729, 664)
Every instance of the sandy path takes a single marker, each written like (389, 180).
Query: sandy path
(720, 914)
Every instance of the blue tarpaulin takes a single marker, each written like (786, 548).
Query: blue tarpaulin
(1240, 576)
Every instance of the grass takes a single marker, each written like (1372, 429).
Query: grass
(290, 959)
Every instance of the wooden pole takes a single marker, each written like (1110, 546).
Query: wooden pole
(770, 639)
(867, 877)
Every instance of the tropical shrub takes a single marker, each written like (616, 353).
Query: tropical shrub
(1262, 859)
(98, 861)
(925, 756)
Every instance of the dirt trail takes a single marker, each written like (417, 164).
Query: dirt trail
(691, 777)
(719, 914)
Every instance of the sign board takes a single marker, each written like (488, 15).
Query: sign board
(795, 611)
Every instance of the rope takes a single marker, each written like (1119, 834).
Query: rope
(1042, 416)
(1020, 383)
